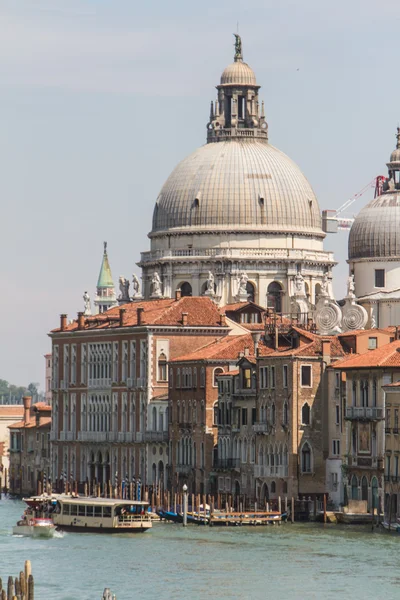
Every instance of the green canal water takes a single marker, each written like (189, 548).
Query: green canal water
(169, 562)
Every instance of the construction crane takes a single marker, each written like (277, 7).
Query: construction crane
(332, 222)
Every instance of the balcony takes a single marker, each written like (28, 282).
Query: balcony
(44, 453)
(222, 464)
(184, 469)
(364, 413)
(270, 471)
(101, 383)
(67, 436)
(388, 429)
(156, 436)
(261, 427)
(395, 430)
(184, 425)
(141, 382)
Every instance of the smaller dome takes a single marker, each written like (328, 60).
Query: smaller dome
(238, 73)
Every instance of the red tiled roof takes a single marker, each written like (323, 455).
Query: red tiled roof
(226, 348)
(240, 306)
(201, 312)
(386, 356)
(228, 373)
(45, 422)
(21, 424)
(363, 332)
(12, 410)
(312, 348)
(392, 385)
(42, 407)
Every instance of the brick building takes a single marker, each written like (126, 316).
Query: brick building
(193, 397)
(110, 386)
(30, 448)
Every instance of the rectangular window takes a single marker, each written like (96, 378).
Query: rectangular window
(263, 378)
(73, 364)
(244, 416)
(337, 414)
(272, 377)
(337, 381)
(253, 415)
(285, 376)
(124, 373)
(336, 447)
(246, 373)
(83, 363)
(372, 343)
(379, 278)
(132, 366)
(306, 375)
(396, 465)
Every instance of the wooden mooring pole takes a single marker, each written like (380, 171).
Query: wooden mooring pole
(20, 588)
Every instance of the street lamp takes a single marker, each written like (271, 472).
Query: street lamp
(185, 504)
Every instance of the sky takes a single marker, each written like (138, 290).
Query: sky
(100, 99)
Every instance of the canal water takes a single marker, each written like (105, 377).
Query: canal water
(299, 561)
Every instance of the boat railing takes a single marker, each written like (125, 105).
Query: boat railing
(127, 519)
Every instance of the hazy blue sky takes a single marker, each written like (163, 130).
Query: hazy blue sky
(100, 100)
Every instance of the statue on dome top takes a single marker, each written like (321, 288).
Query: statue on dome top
(238, 47)
(210, 283)
(156, 285)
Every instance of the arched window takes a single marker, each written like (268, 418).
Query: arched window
(251, 291)
(306, 458)
(284, 487)
(273, 487)
(364, 384)
(217, 372)
(202, 377)
(186, 289)
(374, 395)
(364, 488)
(354, 488)
(252, 450)
(154, 419)
(305, 414)
(274, 296)
(195, 377)
(178, 378)
(285, 413)
(162, 367)
(171, 379)
(273, 414)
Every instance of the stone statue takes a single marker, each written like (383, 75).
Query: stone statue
(124, 289)
(373, 319)
(210, 283)
(238, 46)
(299, 285)
(242, 282)
(324, 285)
(88, 310)
(391, 184)
(350, 286)
(135, 286)
(156, 283)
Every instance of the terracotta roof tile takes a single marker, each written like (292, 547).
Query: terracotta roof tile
(386, 356)
(201, 311)
(228, 373)
(226, 348)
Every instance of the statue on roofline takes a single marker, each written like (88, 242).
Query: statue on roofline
(238, 46)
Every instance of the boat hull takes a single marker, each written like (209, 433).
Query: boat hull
(77, 529)
(34, 531)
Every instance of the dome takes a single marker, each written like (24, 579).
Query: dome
(237, 185)
(375, 232)
(238, 73)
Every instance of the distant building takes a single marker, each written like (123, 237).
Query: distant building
(30, 448)
(105, 291)
(9, 413)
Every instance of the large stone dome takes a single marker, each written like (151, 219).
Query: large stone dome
(237, 185)
(375, 232)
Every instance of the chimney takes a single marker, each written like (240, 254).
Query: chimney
(184, 319)
(222, 320)
(81, 320)
(178, 294)
(140, 312)
(27, 409)
(246, 352)
(256, 335)
(396, 337)
(122, 317)
(63, 322)
(326, 351)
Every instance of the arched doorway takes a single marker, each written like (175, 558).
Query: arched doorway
(161, 473)
(99, 468)
(264, 493)
(374, 492)
(354, 488)
(154, 473)
(237, 488)
(274, 296)
(364, 488)
(186, 289)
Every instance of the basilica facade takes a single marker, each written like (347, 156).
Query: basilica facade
(237, 220)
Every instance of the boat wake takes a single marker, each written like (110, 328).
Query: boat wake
(59, 534)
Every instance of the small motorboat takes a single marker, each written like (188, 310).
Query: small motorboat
(34, 527)
(391, 526)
